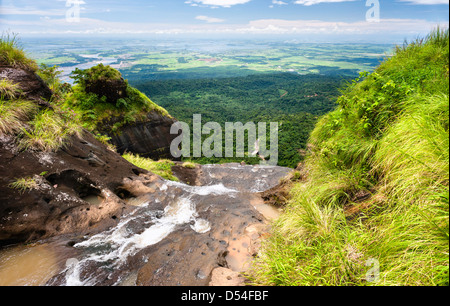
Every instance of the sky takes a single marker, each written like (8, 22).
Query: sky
(303, 19)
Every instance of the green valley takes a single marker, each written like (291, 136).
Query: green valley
(294, 101)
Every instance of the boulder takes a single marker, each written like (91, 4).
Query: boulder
(31, 86)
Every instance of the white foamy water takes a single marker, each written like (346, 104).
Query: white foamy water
(118, 244)
(218, 189)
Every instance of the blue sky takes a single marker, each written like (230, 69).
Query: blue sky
(303, 18)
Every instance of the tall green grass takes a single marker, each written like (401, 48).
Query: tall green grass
(48, 132)
(15, 114)
(11, 54)
(35, 128)
(388, 139)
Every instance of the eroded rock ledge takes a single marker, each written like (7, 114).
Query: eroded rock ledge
(211, 247)
(65, 184)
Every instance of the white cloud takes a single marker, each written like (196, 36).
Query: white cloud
(86, 26)
(279, 2)
(209, 19)
(426, 2)
(11, 10)
(216, 3)
(312, 2)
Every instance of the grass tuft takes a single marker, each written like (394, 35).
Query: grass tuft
(162, 168)
(8, 90)
(24, 184)
(189, 165)
(11, 54)
(48, 132)
(15, 114)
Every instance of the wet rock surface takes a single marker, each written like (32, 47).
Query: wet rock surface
(115, 224)
(178, 234)
(65, 183)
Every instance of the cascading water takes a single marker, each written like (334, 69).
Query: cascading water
(140, 229)
(175, 234)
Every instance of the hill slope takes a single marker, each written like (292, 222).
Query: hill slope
(372, 208)
(51, 167)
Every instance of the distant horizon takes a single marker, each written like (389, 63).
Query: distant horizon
(316, 21)
(326, 39)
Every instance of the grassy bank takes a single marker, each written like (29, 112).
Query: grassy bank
(373, 209)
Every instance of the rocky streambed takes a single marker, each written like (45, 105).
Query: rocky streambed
(170, 233)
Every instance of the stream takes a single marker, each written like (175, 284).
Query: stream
(175, 235)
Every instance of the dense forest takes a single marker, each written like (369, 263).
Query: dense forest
(294, 101)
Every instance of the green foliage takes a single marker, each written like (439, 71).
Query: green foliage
(99, 116)
(389, 141)
(292, 100)
(11, 54)
(95, 74)
(14, 115)
(162, 168)
(24, 184)
(50, 75)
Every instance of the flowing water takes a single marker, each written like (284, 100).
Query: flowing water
(32, 265)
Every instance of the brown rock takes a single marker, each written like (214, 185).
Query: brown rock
(32, 87)
(57, 205)
(226, 277)
(149, 138)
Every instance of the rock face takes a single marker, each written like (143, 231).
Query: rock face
(31, 86)
(149, 138)
(69, 191)
(147, 134)
(73, 193)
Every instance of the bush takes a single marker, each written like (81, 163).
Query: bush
(99, 113)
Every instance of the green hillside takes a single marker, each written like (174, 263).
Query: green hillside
(375, 191)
